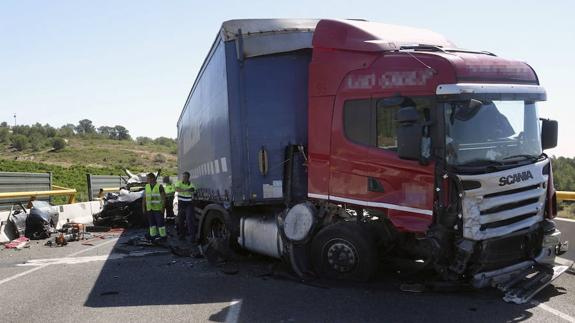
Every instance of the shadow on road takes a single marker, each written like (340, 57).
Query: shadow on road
(271, 295)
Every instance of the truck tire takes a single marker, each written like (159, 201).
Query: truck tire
(344, 251)
(218, 231)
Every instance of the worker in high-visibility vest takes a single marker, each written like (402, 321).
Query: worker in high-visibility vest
(170, 190)
(153, 206)
(186, 211)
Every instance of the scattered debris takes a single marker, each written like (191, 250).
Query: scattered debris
(229, 268)
(70, 232)
(140, 241)
(61, 240)
(98, 228)
(186, 251)
(181, 251)
(41, 220)
(141, 253)
(412, 288)
(17, 220)
(212, 253)
(123, 209)
(19, 243)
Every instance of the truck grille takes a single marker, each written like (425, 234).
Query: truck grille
(506, 251)
(494, 210)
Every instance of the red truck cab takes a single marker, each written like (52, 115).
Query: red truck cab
(351, 78)
(442, 142)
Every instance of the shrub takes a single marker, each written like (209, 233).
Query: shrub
(19, 142)
(164, 141)
(144, 140)
(4, 135)
(58, 143)
(159, 158)
(36, 141)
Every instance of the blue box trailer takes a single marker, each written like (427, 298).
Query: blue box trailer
(246, 110)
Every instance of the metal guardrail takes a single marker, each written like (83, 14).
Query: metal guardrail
(31, 195)
(98, 184)
(565, 196)
(23, 182)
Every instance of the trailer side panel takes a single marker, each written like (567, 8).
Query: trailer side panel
(203, 130)
(268, 100)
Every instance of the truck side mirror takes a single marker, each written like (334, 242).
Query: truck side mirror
(408, 133)
(549, 129)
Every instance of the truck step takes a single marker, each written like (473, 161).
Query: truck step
(522, 288)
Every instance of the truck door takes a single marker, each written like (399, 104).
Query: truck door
(349, 160)
(404, 188)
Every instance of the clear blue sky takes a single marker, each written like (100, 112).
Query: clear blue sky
(133, 62)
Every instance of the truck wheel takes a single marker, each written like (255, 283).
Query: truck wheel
(344, 251)
(217, 232)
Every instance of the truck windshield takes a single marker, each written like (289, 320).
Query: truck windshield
(483, 132)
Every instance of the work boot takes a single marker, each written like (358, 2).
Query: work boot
(150, 238)
(159, 241)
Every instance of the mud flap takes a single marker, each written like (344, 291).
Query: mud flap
(528, 283)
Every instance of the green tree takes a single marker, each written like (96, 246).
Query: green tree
(144, 141)
(122, 133)
(58, 143)
(159, 158)
(66, 131)
(19, 142)
(563, 173)
(37, 129)
(37, 141)
(21, 130)
(85, 127)
(4, 124)
(51, 132)
(107, 132)
(164, 141)
(4, 135)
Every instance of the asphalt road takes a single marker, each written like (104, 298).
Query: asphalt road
(103, 283)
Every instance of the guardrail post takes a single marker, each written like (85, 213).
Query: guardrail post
(89, 181)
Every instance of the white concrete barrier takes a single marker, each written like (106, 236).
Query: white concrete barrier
(78, 212)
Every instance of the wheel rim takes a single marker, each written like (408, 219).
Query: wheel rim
(217, 230)
(341, 255)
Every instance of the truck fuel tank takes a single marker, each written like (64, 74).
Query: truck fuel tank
(261, 235)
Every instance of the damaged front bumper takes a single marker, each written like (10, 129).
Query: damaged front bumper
(520, 282)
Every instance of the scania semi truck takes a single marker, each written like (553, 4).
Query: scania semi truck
(336, 144)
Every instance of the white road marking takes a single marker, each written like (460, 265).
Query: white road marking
(5, 280)
(83, 260)
(553, 311)
(234, 311)
(68, 260)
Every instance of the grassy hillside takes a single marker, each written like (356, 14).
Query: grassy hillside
(82, 156)
(100, 153)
